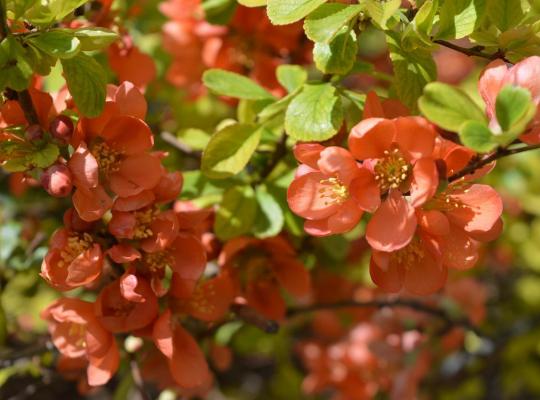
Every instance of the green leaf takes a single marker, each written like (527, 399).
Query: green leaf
(323, 24)
(45, 12)
(19, 7)
(505, 14)
(229, 150)
(270, 220)
(448, 106)
(291, 77)
(381, 11)
(57, 43)
(218, 12)
(252, 3)
(477, 136)
(231, 84)
(86, 81)
(459, 18)
(44, 157)
(15, 65)
(277, 107)
(315, 114)
(338, 56)
(412, 70)
(514, 109)
(283, 12)
(94, 38)
(418, 32)
(236, 213)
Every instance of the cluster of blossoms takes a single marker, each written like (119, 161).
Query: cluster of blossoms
(145, 254)
(399, 169)
(378, 352)
(249, 45)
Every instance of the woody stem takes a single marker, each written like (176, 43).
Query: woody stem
(473, 51)
(499, 153)
(397, 303)
(4, 29)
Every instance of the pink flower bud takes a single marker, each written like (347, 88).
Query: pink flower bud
(56, 180)
(33, 132)
(61, 128)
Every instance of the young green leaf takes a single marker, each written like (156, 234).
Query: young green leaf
(86, 81)
(16, 69)
(323, 24)
(45, 12)
(382, 11)
(94, 38)
(459, 18)
(270, 219)
(315, 114)
(477, 136)
(283, 12)
(252, 3)
(236, 213)
(337, 57)
(218, 12)
(412, 70)
(291, 77)
(60, 43)
(514, 109)
(231, 84)
(505, 14)
(229, 150)
(448, 106)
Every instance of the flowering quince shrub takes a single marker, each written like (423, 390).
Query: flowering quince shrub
(269, 199)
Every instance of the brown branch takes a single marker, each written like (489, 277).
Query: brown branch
(186, 150)
(4, 28)
(397, 303)
(252, 317)
(499, 153)
(475, 51)
(25, 100)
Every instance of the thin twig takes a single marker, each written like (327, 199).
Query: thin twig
(25, 100)
(473, 51)
(174, 142)
(499, 153)
(252, 317)
(4, 29)
(397, 303)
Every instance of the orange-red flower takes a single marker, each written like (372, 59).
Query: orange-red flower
(525, 74)
(450, 227)
(74, 259)
(324, 189)
(76, 333)
(260, 268)
(113, 148)
(127, 304)
(399, 152)
(249, 44)
(185, 358)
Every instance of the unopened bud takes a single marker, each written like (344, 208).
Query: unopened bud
(56, 180)
(61, 128)
(33, 132)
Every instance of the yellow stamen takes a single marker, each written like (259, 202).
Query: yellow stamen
(392, 170)
(333, 191)
(106, 157)
(76, 245)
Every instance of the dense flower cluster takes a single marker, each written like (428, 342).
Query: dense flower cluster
(397, 168)
(249, 45)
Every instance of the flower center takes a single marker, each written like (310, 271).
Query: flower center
(76, 245)
(107, 158)
(199, 298)
(409, 255)
(445, 202)
(144, 218)
(77, 334)
(157, 261)
(392, 170)
(333, 191)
